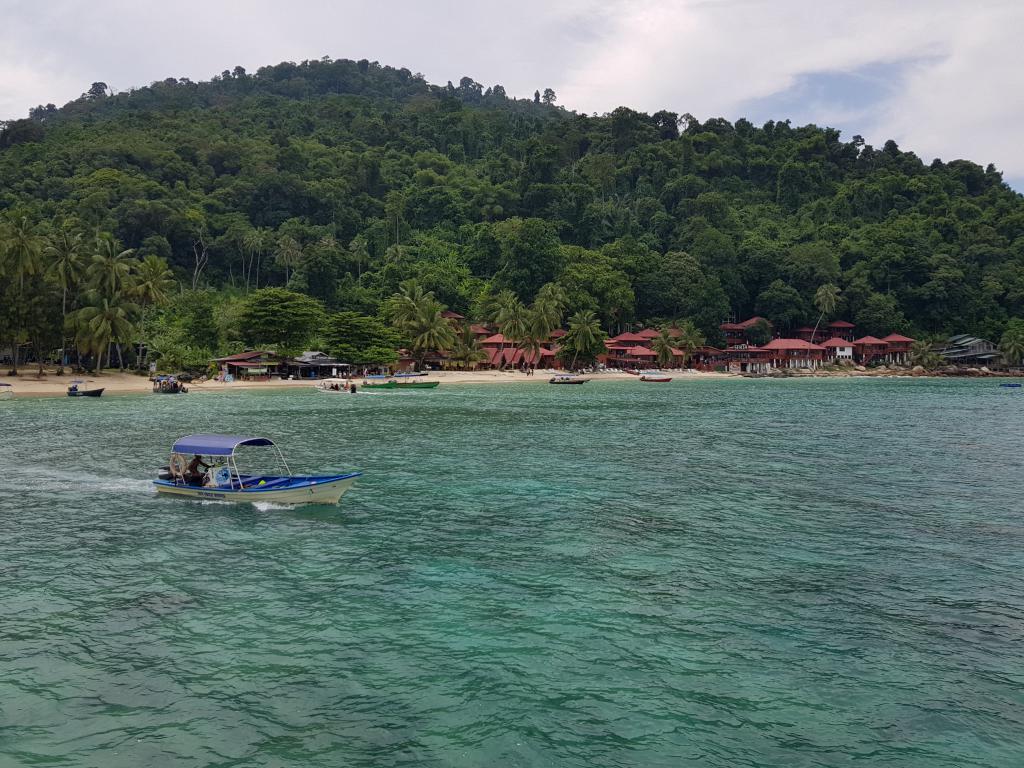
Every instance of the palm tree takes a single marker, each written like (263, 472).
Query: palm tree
(664, 346)
(104, 320)
(467, 351)
(152, 285)
(67, 265)
(510, 317)
(289, 255)
(584, 336)
(255, 241)
(825, 299)
(418, 314)
(154, 281)
(21, 257)
(923, 353)
(1012, 342)
(110, 268)
(689, 338)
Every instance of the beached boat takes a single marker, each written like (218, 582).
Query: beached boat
(76, 390)
(565, 378)
(396, 384)
(655, 378)
(221, 479)
(336, 386)
(6, 391)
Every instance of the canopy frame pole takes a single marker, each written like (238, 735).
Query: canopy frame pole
(280, 457)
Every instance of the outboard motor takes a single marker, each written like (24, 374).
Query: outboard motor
(165, 474)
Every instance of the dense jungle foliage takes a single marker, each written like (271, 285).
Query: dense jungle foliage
(340, 180)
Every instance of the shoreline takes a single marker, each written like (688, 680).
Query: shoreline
(28, 385)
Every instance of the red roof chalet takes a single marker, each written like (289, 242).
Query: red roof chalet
(870, 341)
(639, 351)
(633, 337)
(834, 342)
(447, 314)
(898, 338)
(649, 333)
(840, 324)
(496, 339)
(790, 344)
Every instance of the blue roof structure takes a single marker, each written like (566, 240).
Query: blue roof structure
(216, 445)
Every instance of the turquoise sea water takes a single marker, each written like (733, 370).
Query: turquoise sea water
(713, 573)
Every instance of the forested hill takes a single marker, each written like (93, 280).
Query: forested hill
(341, 179)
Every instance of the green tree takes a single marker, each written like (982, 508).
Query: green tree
(467, 352)
(688, 339)
(280, 318)
(360, 339)
(922, 352)
(664, 346)
(511, 318)
(104, 320)
(418, 315)
(782, 305)
(825, 299)
(758, 333)
(288, 255)
(584, 340)
(1012, 342)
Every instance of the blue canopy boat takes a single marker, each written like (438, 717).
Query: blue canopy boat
(221, 480)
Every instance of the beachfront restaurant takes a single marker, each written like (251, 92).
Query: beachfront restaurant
(314, 364)
(252, 365)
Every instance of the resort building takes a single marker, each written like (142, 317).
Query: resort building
(899, 348)
(970, 350)
(748, 359)
(840, 329)
(253, 365)
(838, 350)
(793, 353)
(736, 333)
(868, 349)
(806, 333)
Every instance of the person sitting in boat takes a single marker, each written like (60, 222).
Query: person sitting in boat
(193, 473)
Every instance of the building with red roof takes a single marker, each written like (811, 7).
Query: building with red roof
(649, 333)
(736, 333)
(899, 348)
(868, 349)
(840, 329)
(630, 338)
(794, 353)
(838, 350)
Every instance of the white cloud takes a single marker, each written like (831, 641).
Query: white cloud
(955, 93)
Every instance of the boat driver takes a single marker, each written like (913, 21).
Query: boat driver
(193, 473)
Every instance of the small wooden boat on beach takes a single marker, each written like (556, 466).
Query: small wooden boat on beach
(655, 378)
(76, 390)
(565, 378)
(221, 480)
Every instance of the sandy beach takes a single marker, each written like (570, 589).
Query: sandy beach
(116, 383)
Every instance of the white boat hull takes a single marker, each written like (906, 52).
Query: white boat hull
(329, 492)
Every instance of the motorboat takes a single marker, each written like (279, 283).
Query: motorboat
(76, 389)
(657, 377)
(336, 385)
(565, 378)
(6, 391)
(399, 384)
(1011, 384)
(169, 385)
(221, 479)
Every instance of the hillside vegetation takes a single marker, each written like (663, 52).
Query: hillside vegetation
(341, 179)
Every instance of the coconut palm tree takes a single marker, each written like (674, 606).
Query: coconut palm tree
(289, 255)
(510, 317)
(256, 241)
(664, 346)
(922, 353)
(1012, 342)
(825, 299)
(153, 281)
(688, 339)
(584, 336)
(67, 265)
(104, 320)
(110, 268)
(467, 351)
(418, 314)
(22, 247)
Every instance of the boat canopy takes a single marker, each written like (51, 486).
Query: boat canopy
(216, 445)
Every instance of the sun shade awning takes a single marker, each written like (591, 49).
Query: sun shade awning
(216, 445)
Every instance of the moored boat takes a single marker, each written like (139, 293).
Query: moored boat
(168, 385)
(1011, 384)
(221, 480)
(76, 390)
(396, 384)
(656, 378)
(565, 378)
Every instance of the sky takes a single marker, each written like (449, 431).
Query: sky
(943, 78)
